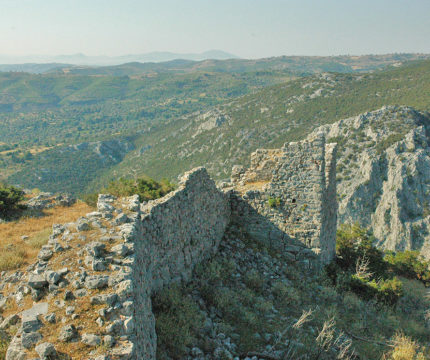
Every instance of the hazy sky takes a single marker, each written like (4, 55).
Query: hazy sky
(247, 28)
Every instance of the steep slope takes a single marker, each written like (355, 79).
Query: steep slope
(383, 175)
(227, 134)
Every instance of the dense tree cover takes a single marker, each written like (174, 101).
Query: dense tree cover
(10, 200)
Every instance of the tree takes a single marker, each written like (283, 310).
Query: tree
(10, 200)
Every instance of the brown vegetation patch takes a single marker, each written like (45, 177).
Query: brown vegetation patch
(16, 251)
(255, 185)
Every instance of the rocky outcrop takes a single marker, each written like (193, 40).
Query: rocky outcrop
(46, 200)
(383, 175)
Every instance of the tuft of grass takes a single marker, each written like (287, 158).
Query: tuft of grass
(274, 202)
(39, 239)
(12, 258)
(3, 348)
(405, 349)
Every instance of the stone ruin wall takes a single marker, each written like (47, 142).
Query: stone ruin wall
(300, 178)
(160, 242)
(173, 235)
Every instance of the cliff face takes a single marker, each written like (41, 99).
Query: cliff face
(383, 175)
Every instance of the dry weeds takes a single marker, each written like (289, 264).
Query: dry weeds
(16, 251)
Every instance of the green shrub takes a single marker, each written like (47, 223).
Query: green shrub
(10, 200)
(90, 199)
(409, 264)
(254, 281)
(371, 280)
(146, 188)
(273, 202)
(354, 243)
(178, 318)
(384, 291)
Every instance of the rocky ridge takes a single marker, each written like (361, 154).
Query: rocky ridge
(383, 175)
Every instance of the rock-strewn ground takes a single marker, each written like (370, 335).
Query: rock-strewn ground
(74, 300)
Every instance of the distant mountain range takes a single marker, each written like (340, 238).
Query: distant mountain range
(81, 59)
(298, 65)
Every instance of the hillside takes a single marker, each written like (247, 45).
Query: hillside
(175, 135)
(51, 112)
(227, 134)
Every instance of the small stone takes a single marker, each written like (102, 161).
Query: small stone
(10, 320)
(96, 249)
(51, 318)
(52, 277)
(68, 295)
(70, 310)
(28, 340)
(46, 351)
(109, 299)
(124, 351)
(96, 281)
(108, 341)
(31, 324)
(120, 219)
(36, 294)
(91, 339)
(81, 292)
(124, 289)
(100, 322)
(68, 333)
(120, 250)
(115, 327)
(45, 254)
(82, 225)
(37, 281)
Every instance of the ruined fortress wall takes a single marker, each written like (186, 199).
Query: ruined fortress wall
(136, 248)
(297, 204)
(330, 206)
(184, 227)
(172, 235)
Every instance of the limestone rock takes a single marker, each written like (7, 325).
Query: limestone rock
(91, 339)
(46, 351)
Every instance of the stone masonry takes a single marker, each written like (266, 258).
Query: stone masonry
(288, 196)
(117, 257)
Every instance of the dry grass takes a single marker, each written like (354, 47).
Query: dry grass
(3, 349)
(16, 252)
(256, 185)
(405, 349)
